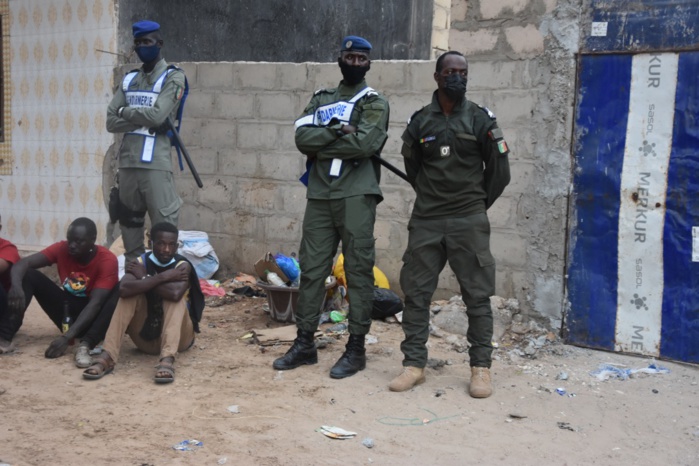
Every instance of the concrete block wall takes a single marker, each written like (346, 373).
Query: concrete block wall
(238, 126)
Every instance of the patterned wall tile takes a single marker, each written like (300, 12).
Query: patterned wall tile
(58, 74)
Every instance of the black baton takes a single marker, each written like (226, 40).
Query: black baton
(185, 153)
(391, 167)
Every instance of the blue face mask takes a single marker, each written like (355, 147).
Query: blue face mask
(155, 260)
(148, 54)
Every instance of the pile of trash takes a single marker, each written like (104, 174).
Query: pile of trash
(515, 335)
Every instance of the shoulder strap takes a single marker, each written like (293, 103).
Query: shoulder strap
(127, 80)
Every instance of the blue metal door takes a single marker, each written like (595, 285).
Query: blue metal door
(633, 255)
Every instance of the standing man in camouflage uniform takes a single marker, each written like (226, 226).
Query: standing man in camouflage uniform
(457, 161)
(141, 104)
(340, 130)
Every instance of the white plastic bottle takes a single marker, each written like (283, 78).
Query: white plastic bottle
(275, 279)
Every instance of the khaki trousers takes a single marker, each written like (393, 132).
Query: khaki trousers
(129, 317)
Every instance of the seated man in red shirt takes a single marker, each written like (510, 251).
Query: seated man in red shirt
(89, 291)
(8, 257)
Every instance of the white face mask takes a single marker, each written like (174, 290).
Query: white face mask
(155, 260)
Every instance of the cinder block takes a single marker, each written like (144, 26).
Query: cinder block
(495, 74)
(205, 161)
(522, 174)
(385, 75)
(215, 76)
(440, 39)
(459, 8)
(293, 76)
(277, 106)
(394, 203)
(201, 218)
(238, 164)
(323, 76)
(217, 194)
(403, 107)
(218, 134)
(233, 105)
(294, 198)
(382, 233)
(493, 9)
(257, 135)
(191, 71)
(280, 166)
(200, 104)
(241, 223)
(258, 196)
(287, 141)
(440, 18)
(422, 77)
(251, 75)
(473, 42)
(525, 41)
(514, 107)
(282, 228)
(502, 213)
(509, 249)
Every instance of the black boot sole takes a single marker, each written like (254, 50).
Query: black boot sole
(343, 375)
(285, 367)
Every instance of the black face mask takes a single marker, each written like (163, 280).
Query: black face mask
(352, 74)
(455, 87)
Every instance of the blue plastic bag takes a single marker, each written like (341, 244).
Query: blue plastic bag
(288, 265)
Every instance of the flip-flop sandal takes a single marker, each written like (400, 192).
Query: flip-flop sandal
(103, 368)
(164, 368)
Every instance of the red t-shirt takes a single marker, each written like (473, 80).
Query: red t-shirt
(8, 252)
(80, 279)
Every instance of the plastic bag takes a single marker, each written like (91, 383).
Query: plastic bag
(386, 304)
(197, 249)
(288, 265)
(380, 279)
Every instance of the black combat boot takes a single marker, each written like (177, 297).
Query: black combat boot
(352, 360)
(303, 351)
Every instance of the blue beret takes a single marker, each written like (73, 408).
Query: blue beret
(141, 28)
(355, 43)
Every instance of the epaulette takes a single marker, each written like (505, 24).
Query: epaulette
(487, 111)
(322, 89)
(370, 93)
(416, 112)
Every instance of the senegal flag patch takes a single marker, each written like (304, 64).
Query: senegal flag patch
(502, 146)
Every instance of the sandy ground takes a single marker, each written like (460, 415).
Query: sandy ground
(51, 416)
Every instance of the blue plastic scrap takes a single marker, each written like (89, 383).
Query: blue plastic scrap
(186, 445)
(607, 371)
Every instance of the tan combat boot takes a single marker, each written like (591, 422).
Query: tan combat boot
(410, 377)
(480, 383)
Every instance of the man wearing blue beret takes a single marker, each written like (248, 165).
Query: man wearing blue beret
(142, 102)
(339, 132)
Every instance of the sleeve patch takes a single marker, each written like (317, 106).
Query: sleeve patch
(502, 147)
(495, 134)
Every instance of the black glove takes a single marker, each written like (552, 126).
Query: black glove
(162, 129)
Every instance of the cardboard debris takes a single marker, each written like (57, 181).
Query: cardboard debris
(269, 264)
